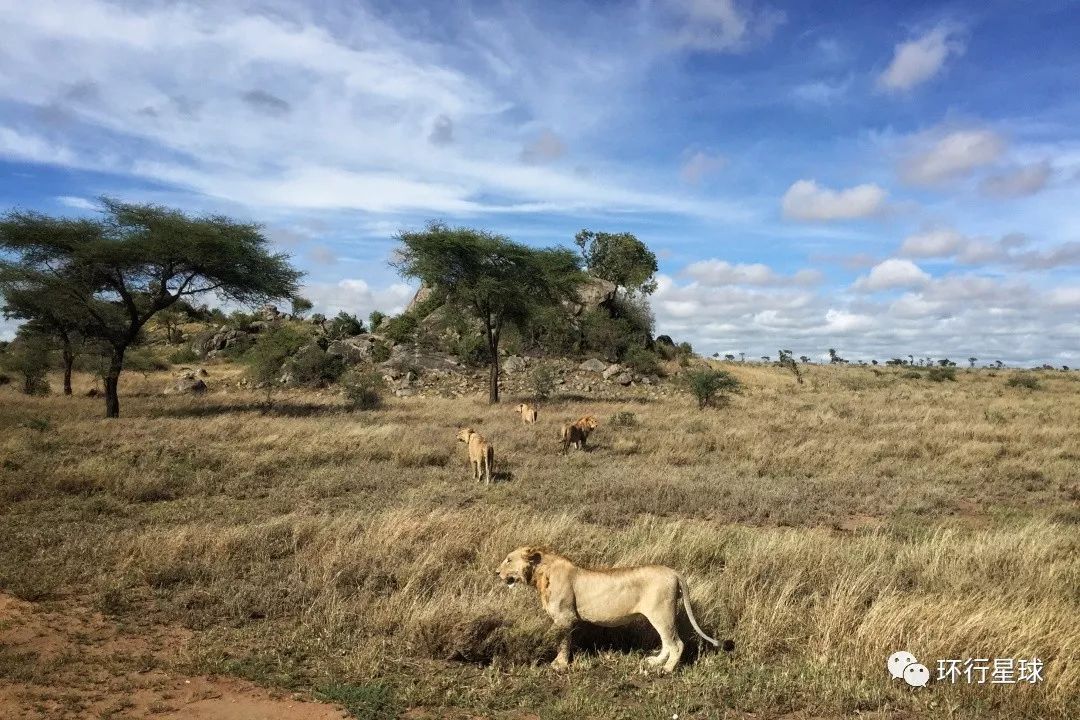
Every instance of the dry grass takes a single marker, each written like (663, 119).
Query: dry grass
(820, 527)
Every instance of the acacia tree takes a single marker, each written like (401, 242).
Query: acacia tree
(496, 280)
(117, 272)
(619, 258)
(45, 317)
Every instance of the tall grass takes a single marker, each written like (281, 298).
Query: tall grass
(820, 528)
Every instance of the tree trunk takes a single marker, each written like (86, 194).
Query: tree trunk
(69, 360)
(493, 356)
(112, 384)
(493, 388)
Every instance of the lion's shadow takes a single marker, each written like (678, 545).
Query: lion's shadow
(640, 636)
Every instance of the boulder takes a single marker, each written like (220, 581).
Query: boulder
(352, 350)
(593, 365)
(611, 370)
(269, 312)
(665, 340)
(514, 363)
(624, 378)
(188, 383)
(592, 294)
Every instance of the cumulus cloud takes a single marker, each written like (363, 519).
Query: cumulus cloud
(935, 243)
(699, 165)
(892, 274)
(723, 26)
(1020, 181)
(939, 158)
(1012, 249)
(806, 200)
(356, 296)
(917, 60)
(719, 272)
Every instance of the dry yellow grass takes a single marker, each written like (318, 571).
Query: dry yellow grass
(820, 527)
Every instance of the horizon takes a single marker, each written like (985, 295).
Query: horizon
(884, 180)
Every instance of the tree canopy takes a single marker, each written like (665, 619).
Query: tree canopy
(116, 272)
(493, 278)
(619, 258)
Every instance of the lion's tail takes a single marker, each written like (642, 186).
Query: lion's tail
(685, 592)
(490, 460)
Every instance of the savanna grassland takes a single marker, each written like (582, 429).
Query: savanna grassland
(820, 526)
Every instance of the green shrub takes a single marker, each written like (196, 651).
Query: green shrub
(30, 355)
(183, 356)
(364, 702)
(143, 361)
(401, 328)
(912, 375)
(267, 357)
(707, 385)
(380, 352)
(642, 361)
(941, 374)
(375, 319)
(542, 383)
(1027, 382)
(342, 326)
(623, 418)
(311, 366)
(362, 389)
(471, 349)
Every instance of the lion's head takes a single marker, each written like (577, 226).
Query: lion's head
(464, 434)
(519, 565)
(588, 422)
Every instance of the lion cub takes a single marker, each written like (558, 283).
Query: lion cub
(481, 454)
(527, 413)
(577, 434)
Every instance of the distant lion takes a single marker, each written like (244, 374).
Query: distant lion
(481, 454)
(527, 413)
(608, 597)
(577, 434)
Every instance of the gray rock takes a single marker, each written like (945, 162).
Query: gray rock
(593, 365)
(624, 378)
(514, 363)
(351, 350)
(612, 370)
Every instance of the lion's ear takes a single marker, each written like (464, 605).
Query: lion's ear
(534, 556)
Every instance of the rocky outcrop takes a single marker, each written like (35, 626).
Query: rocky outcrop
(352, 350)
(514, 364)
(187, 383)
(593, 294)
(209, 344)
(593, 365)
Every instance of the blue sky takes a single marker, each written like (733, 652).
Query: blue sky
(882, 178)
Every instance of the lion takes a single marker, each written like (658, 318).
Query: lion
(577, 434)
(527, 413)
(609, 597)
(481, 454)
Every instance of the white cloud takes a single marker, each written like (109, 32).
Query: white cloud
(1017, 182)
(806, 200)
(76, 202)
(918, 60)
(1009, 250)
(892, 274)
(700, 165)
(937, 243)
(355, 296)
(719, 272)
(939, 158)
(723, 25)
(170, 81)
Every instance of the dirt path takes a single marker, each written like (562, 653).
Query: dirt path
(79, 664)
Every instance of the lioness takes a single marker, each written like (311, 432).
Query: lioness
(577, 433)
(527, 413)
(481, 454)
(608, 597)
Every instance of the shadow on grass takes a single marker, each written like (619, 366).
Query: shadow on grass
(278, 409)
(640, 636)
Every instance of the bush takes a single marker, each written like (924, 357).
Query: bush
(542, 383)
(401, 328)
(1027, 382)
(311, 366)
(707, 384)
(375, 319)
(183, 356)
(143, 361)
(471, 349)
(912, 375)
(343, 326)
(267, 357)
(380, 352)
(941, 374)
(623, 418)
(643, 361)
(30, 355)
(5, 379)
(363, 389)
